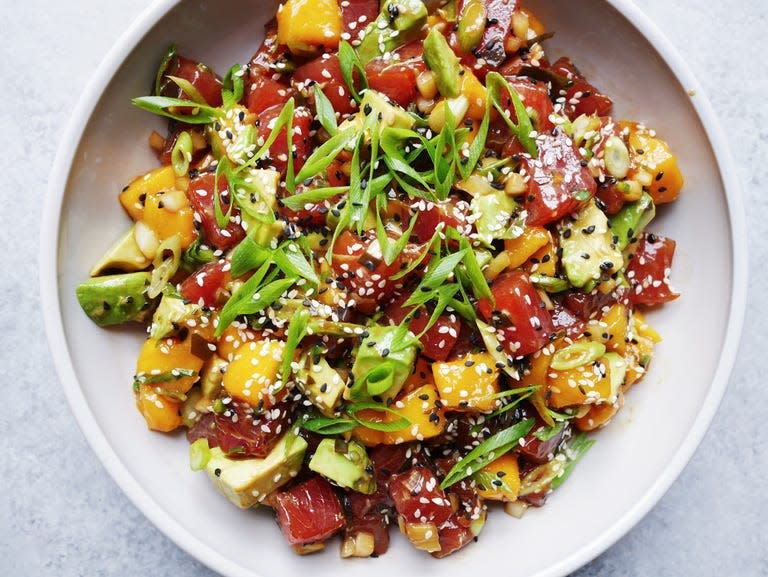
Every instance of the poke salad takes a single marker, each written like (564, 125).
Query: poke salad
(392, 270)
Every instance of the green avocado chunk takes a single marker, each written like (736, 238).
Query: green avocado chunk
(124, 255)
(115, 299)
(629, 222)
(617, 370)
(589, 253)
(171, 313)
(494, 216)
(246, 482)
(441, 60)
(321, 383)
(398, 22)
(389, 114)
(345, 463)
(383, 363)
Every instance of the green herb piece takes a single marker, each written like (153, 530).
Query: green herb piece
(325, 154)
(283, 121)
(181, 155)
(487, 452)
(329, 426)
(496, 83)
(166, 377)
(547, 433)
(165, 265)
(313, 196)
(393, 142)
(297, 330)
(477, 147)
(550, 284)
(199, 455)
(196, 255)
(438, 272)
(434, 241)
(389, 427)
(477, 281)
(169, 55)
(222, 218)
(391, 250)
(292, 262)
(248, 255)
(233, 87)
(162, 106)
(326, 115)
(577, 448)
(189, 89)
(582, 195)
(243, 298)
(444, 296)
(349, 62)
(445, 157)
(463, 307)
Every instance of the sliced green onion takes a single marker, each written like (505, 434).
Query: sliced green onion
(165, 266)
(199, 454)
(577, 355)
(487, 452)
(401, 423)
(329, 426)
(181, 155)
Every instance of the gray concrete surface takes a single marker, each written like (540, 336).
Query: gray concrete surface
(60, 513)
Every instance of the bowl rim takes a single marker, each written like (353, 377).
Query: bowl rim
(51, 305)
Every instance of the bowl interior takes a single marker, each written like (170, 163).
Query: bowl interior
(630, 455)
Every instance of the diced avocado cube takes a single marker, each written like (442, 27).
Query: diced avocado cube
(376, 103)
(589, 253)
(171, 313)
(398, 23)
(246, 482)
(124, 255)
(322, 385)
(345, 463)
(494, 216)
(617, 370)
(115, 299)
(631, 220)
(442, 61)
(383, 363)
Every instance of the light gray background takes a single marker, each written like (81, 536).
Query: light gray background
(60, 513)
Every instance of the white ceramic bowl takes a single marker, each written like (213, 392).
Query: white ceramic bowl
(636, 458)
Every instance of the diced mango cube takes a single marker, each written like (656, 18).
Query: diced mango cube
(469, 383)
(426, 417)
(133, 196)
(526, 245)
(252, 376)
(499, 480)
(611, 329)
(163, 357)
(653, 155)
(476, 94)
(306, 25)
(598, 415)
(161, 413)
(167, 219)
(590, 383)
